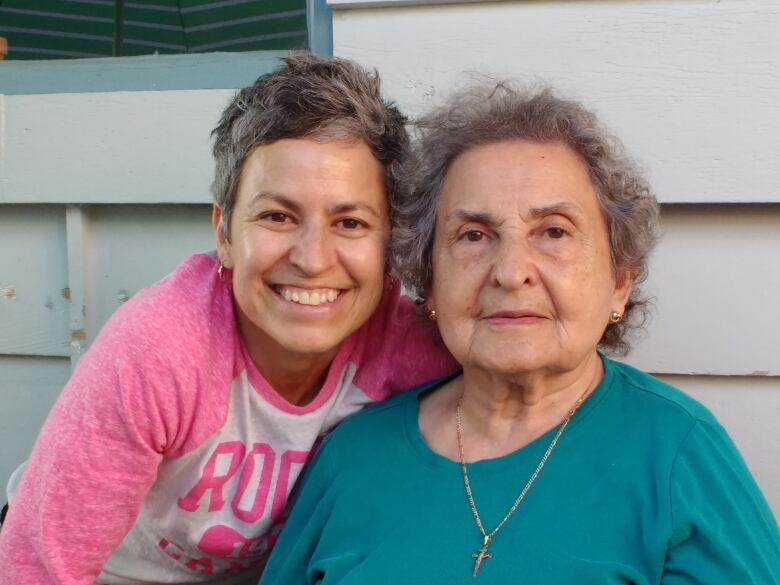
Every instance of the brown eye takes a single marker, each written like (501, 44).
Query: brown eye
(277, 217)
(556, 232)
(350, 223)
(474, 236)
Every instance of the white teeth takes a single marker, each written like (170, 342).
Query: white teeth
(309, 298)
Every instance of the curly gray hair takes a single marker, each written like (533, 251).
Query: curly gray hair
(308, 97)
(487, 114)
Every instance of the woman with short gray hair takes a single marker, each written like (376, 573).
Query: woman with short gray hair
(170, 454)
(487, 114)
(527, 231)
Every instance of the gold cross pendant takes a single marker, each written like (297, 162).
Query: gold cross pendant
(481, 555)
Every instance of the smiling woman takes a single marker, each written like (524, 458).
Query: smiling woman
(170, 455)
(307, 243)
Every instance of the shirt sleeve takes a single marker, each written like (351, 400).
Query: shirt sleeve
(723, 529)
(93, 463)
(290, 561)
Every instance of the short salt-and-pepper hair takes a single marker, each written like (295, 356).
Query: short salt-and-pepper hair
(308, 97)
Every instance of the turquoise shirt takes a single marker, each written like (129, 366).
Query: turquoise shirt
(644, 487)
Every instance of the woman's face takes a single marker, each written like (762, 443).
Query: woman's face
(522, 276)
(308, 239)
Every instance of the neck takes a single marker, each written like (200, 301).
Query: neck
(502, 414)
(296, 377)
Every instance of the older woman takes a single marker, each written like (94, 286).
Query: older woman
(171, 452)
(544, 461)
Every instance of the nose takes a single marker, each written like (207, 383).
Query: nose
(312, 250)
(513, 264)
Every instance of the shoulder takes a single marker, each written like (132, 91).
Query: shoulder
(174, 318)
(654, 419)
(657, 398)
(184, 293)
(161, 354)
(397, 348)
(175, 335)
(678, 428)
(702, 471)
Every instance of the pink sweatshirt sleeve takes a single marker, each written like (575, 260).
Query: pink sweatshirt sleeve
(97, 454)
(400, 347)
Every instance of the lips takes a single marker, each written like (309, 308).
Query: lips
(305, 296)
(515, 315)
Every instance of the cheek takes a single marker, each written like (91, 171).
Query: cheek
(247, 248)
(464, 255)
(581, 293)
(365, 261)
(454, 293)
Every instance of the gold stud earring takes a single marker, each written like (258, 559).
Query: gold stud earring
(615, 317)
(432, 315)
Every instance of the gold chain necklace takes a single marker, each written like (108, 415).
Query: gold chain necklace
(482, 553)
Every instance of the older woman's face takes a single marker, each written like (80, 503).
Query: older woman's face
(523, 279)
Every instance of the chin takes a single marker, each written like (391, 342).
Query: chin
(501, 365)
(312, 347)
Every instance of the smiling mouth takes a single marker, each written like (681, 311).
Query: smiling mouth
(310, 297)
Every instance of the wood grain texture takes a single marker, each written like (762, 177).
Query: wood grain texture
(690, 86)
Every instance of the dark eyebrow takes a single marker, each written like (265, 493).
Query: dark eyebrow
(288, 203)
(350, 207)
(277, 198)
(475, 216)
(563, 208)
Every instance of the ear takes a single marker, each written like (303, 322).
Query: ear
(624, 283)
(224, 249)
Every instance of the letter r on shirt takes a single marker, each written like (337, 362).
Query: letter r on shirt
(210, 481)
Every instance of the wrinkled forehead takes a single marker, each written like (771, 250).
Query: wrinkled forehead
(305, 172)
(518, 177)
